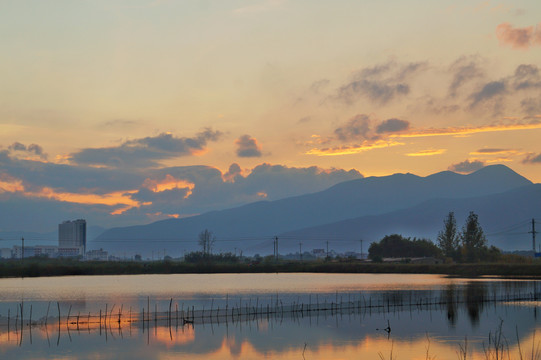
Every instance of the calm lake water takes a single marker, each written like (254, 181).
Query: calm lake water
(266, 316)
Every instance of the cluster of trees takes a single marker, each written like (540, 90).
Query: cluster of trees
(470, 245)
(398, 246)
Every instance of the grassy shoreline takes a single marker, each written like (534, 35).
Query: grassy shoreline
(33, 268)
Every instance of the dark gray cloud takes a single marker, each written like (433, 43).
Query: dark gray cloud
(489, 91)
(358, 127)
(146, 152)
(532, 159)
(491, 150)
(381, 83)
(392, 125)
(31, 149)
(526, 80)
(464, 70)
(526, 77)
(363, 127)
(233, 173)
(247, 147)
(17, 146)
(467, 166)
(36, 149)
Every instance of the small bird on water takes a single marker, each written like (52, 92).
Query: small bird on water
(388, 328)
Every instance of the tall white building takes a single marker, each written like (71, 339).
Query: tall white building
(72, 235)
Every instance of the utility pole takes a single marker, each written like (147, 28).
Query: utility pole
(300, 251)
(22, 248)
(362, 249)
(327, 249)
(533, 232)
(276, 246)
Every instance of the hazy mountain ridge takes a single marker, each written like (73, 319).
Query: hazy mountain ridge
(366, 197)
(496, 213)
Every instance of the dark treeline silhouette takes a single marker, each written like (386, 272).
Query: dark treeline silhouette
(470, 245)
(397, 246)
(466, 246)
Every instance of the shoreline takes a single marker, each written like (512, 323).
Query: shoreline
(47, 268)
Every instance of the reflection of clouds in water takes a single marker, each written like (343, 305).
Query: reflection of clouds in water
(346, 335)
(351, 334)
(171, 337)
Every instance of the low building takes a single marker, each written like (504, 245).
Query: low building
(97, 255)
(74, 251)
(5, 253)
(17, 251)
(46, 250)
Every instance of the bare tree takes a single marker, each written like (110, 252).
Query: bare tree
(206, 241)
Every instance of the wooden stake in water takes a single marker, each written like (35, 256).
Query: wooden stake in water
(57, 303)
(47, 316)
(67, 319)
(170, 304)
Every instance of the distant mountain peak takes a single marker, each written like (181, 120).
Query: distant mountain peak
(501, 171)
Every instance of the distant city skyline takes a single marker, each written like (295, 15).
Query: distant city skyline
(128, 112)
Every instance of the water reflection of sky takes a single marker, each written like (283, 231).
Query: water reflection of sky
(350, 334)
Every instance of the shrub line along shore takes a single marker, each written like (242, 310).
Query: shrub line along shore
(64, 268)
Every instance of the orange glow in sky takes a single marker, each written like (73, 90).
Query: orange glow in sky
(169, 183)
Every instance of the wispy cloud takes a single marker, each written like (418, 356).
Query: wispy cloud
(358, 127)
(531, 106)
(467, 166)
(430, 152)
(495, 151)
(380, 83)
(464, 70)
(354, 149)
(462, 131)
(532, 159)
(487, 92)
(518, 38)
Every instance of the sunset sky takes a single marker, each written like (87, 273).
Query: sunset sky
(131, 111)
